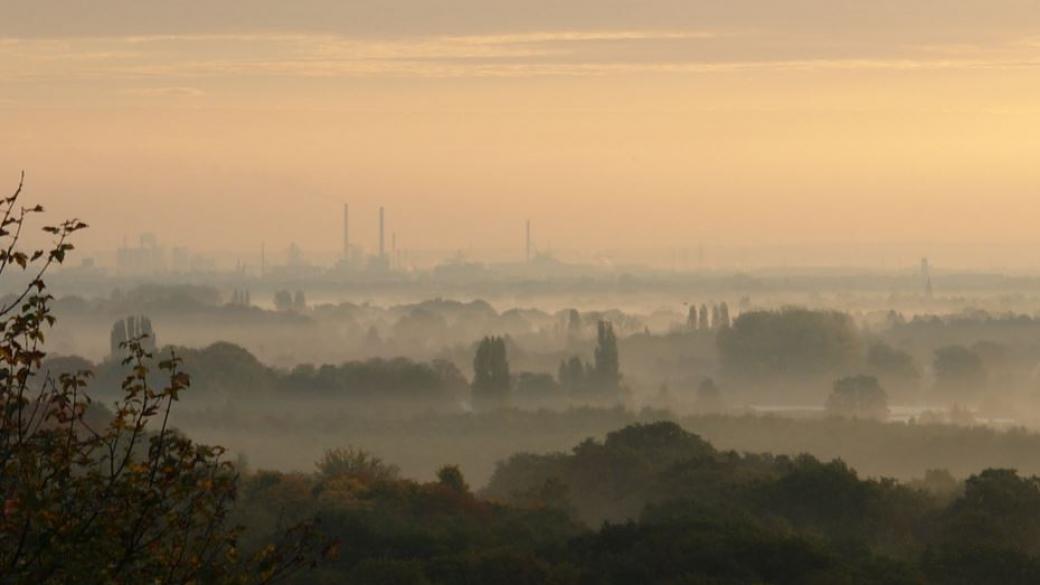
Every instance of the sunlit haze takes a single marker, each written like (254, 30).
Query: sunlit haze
(512, 292)
(815, 132)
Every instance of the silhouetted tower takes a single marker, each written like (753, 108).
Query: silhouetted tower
(346, 232)
(382, 240)
(926, 277)
(393, 250)
(263, 259)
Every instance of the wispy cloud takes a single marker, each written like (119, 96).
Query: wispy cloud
(579, 36)
(549, 53)
(189, 92)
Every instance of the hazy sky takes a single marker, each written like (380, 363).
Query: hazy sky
(652, 123)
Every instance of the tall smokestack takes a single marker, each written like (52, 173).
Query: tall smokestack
(382, 240)
(527, 245)
(346, 232)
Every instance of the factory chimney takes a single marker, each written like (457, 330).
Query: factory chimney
(527, 246)
(346, 232)
(382, 240)
(926, 277)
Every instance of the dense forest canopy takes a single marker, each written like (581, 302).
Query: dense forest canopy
(653, 503)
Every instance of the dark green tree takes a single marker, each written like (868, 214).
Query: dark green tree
(283, 300)
(572, 375)
(535, 389)
(491, 380)
(355, 463)
(858, 397)
(724, 320)
(299, 301)
(999, 509)
(119, 498)
(789, 344)
(691, 318)
(606, 369)
(450, 476)
(894, 367)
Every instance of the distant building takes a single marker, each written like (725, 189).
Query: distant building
(133, 327)
(148, 257)
(294, 256)
(926, 277)
(183, 260)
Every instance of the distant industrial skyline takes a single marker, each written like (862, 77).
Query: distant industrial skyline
(141, 249)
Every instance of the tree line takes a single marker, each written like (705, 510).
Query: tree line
(652, 503)
(577, 380)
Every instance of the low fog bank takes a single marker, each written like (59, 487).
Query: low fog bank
(477, 442)
(287, 322)
(711, 356)
(892, 392)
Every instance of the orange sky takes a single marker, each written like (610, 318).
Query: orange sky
(661, 124)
